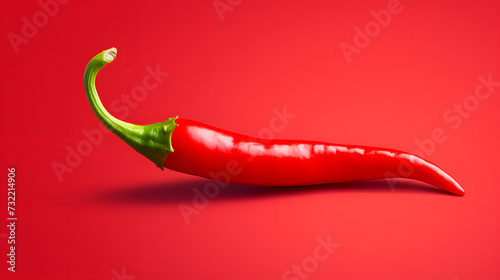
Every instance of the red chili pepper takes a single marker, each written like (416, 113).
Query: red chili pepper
(204, 150)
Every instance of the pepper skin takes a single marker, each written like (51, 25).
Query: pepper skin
(202, 150)
(195, 148)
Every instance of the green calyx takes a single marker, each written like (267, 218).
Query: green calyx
(152, 141)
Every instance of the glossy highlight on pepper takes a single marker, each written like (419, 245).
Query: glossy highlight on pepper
(199, 149)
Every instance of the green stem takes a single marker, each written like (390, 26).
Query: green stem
(153, 141)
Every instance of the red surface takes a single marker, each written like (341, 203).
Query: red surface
(117, 216)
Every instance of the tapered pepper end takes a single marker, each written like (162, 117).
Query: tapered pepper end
(153, 141)
(454, 187)
(430, 173)
(459, 190)
(436, 176)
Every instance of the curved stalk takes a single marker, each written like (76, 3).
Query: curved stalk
(153, 141)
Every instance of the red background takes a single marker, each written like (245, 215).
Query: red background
(117, 211)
